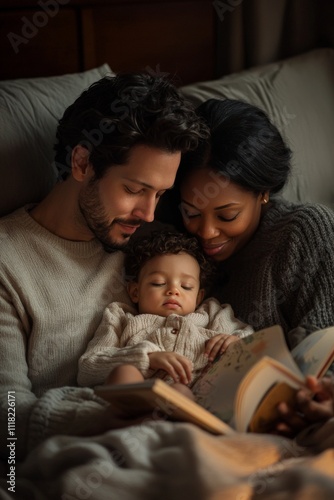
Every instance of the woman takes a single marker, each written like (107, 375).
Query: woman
(275, 258)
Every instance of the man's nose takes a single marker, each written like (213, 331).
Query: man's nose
(145, 210)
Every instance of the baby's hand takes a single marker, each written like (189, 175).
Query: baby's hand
(218, 345)
(177, 366)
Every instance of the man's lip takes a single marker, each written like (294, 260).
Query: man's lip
(129, 228)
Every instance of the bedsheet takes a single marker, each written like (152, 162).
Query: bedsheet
(178, 461)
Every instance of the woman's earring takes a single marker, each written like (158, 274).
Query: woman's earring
(265, 200)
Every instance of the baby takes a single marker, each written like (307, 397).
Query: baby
(170, 333)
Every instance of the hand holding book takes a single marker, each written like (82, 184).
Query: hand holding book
(246, 388)
(317, 403)
(314, 403)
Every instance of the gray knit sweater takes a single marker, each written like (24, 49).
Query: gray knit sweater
(285, 274)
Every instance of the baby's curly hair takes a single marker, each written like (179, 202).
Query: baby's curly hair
(143, 249)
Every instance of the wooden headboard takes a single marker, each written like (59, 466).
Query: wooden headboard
(53, 37)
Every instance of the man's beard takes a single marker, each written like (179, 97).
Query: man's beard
(94, 216)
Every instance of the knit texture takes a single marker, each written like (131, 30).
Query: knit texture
(127, 337)
(285, 274)
(52, 296)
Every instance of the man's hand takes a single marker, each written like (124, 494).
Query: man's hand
(218, 345)
(177, 366)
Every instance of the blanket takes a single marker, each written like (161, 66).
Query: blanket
(167, 460)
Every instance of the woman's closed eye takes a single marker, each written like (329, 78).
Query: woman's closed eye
(190, 215)
(228, 219)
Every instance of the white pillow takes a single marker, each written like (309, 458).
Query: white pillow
(29, 114)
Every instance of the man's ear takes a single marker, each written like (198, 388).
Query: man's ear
(80, 163)
(200, 297)
(133, 291)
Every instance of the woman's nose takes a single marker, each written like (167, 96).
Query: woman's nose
(207, 231)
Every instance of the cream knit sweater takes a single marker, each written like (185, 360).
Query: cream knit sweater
(124, 336)
(52, 296)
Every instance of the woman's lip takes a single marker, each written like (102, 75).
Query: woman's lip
(214, 249)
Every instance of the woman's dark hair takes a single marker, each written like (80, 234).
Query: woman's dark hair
(142, 249)
(245, 147)
(117, 113)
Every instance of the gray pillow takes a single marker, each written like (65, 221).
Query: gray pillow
(298, 95)
(29, 113)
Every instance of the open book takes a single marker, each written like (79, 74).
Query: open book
(240, 389)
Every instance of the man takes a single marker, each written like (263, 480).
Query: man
(118, 150)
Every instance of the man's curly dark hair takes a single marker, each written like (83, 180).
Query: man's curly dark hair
(142, 249)
(119, 112)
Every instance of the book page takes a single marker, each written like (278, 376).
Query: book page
(315, 353)
(216, 388)
(266, 414)
(256, 386)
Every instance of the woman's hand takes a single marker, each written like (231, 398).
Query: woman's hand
(177, 366)
(218, 345)
(317, 403)
(313, 404)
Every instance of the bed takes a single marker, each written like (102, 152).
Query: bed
(158, 458)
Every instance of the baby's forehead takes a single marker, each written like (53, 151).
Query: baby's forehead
(181, 263)
(180, 257)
